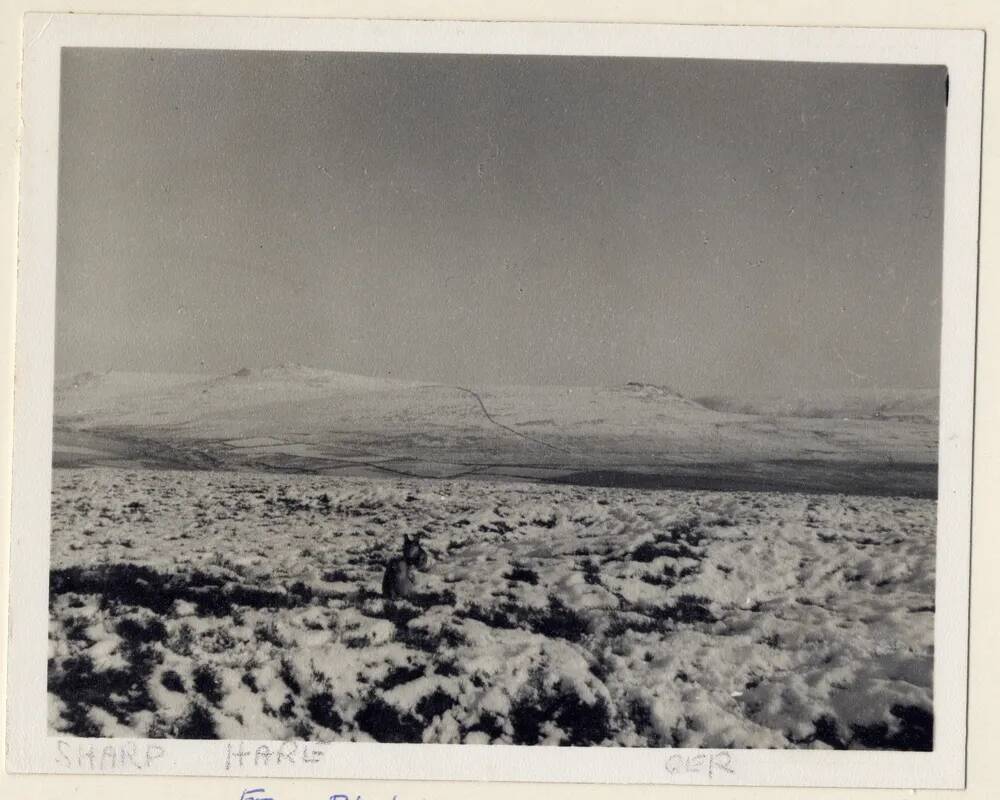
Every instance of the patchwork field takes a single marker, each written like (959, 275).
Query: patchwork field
(208, 603)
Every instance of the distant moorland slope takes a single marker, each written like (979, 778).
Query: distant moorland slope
(299, 419)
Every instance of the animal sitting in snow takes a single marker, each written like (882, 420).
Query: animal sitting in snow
(397, 584)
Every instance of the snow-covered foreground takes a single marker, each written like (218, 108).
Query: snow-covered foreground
(237, 605)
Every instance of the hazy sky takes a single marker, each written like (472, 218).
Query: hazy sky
(716, 226)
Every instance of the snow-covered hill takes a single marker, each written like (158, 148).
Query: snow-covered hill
(856, 404)
(295, 418)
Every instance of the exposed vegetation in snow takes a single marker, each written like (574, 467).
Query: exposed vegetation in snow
(224, 604)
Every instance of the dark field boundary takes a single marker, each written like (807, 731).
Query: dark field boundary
(789, 476)
(884, 478)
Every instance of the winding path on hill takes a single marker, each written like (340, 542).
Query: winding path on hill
(496, 422)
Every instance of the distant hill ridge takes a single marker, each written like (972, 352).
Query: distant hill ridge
(113, 385)
(292, 418)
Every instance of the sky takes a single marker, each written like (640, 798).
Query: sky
(719, 227)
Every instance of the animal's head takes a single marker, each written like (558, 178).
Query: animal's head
(413, 553)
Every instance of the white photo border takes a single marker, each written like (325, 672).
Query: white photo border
(30, 748)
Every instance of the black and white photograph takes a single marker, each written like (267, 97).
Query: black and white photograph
(496, 399)
(484, 398)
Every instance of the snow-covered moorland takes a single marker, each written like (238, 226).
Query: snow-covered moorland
(247, 605)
